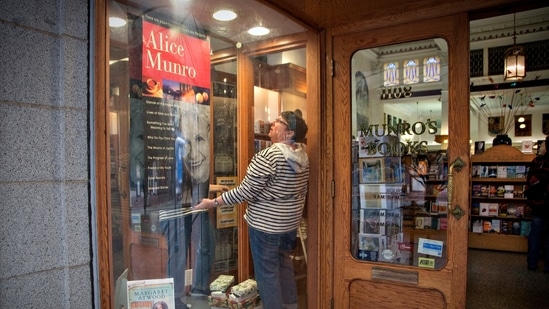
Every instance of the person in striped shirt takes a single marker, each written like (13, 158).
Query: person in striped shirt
(275, 187)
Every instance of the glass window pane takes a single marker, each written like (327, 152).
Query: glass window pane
(399, 208)
(431, 72)
(411, 72)
(173, 119)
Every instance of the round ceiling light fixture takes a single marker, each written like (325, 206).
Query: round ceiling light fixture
(224, 15)
(259, 31)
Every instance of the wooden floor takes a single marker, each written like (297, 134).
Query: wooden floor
(501, 280)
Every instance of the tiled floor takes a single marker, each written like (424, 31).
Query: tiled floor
(500, 280)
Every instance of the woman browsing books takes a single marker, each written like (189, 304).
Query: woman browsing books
(275, 187)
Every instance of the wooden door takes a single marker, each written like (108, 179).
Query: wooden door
(359, 282)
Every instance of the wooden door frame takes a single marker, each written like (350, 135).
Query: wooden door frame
(455, 29)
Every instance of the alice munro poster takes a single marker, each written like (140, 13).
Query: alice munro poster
(169, 75)
(151, 294)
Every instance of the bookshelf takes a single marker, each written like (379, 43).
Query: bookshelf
(499, 215)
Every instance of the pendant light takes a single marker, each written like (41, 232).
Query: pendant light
(515, 60)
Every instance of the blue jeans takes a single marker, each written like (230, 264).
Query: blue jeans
(274, 270)
(538, 233)
(179, 233)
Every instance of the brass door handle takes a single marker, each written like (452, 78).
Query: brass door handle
(456, 211)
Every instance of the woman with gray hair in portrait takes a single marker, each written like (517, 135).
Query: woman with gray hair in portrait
(275, 187)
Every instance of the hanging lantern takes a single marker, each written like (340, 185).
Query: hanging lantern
(515, 60)
(515, 63)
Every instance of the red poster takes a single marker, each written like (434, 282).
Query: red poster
(169, 53)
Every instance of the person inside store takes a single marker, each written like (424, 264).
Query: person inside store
(191, 230)
(538, 200)
(275, 187)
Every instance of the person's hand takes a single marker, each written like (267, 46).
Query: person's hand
(206, 203)
(218, 188)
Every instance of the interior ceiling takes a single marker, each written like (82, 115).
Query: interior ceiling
(493, 27)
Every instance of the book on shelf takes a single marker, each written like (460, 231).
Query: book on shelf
(516, 228)
(492, 191)
(520, 211)
(484, 209)
(477, 226)
(492, 171)
(443, 223)
(476, 171)
(520, 171)
(506, 226)
(496, 226)
(502, 171)
(486, 226)
(525, 226)
(484, 190)
(502, 211)
(476, 190)
(511, 171)
(475, 208)
(483, 171)
(493, 209)
(511, 209)
(433, 208)
(500, 191)
(442, 208)
(427, 223)
(419, 223)
(509, 191)
(435, 223)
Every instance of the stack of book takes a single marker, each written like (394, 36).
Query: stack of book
(219, 288)
(244, 295)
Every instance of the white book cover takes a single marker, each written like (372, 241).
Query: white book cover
(484, 209)
(527, 146)
(477, 226)
(147, 294)
(502, 171)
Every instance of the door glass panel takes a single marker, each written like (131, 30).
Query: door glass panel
(399, 132)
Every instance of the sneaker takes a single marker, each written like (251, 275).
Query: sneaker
(179, 304)
(199, 293)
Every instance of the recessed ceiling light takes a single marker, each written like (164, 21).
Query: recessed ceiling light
(224, 15)
(258, 31)
(116, 22)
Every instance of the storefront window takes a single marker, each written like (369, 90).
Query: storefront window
(400, 170)
(174, 134)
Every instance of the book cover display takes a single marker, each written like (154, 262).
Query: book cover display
(147, 294)
(170, 81)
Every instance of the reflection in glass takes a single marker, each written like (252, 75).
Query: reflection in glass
(173, 136)
(399, 167)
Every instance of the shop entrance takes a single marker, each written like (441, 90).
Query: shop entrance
(400, 234)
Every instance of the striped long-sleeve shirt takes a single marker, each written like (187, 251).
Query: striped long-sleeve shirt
(275, 187)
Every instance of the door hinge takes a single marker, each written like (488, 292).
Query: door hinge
(332, 67)
(333, 189)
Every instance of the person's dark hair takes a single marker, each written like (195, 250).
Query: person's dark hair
(164, 305)
(296, 123)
